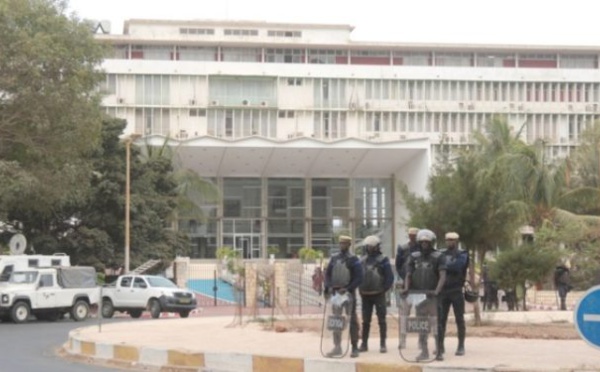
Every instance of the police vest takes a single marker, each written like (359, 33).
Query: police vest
(340, 272)
(425, 271)
(373, 280)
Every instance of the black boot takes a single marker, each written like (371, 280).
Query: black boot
(337, 349)
(461, 342)
(355, 352)
(424, 350)
(364, 345)
(439, 353)
(382, 337)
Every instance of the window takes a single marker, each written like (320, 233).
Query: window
(286, 114)
(294, 81)
(284, 55)
(241, 54)
(126, 282)
(33, 263)
(139, 283)
(46, 280)
(196, 31)
(55, 262)
(8, 269)
(197, 112)
(280, 33)
(327, 56)
(240, 32)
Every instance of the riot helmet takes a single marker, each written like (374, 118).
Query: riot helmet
(426, 239)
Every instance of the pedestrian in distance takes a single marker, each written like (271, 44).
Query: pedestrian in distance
(343, 275)
(456, 262)
(562, 283)
(378, 279)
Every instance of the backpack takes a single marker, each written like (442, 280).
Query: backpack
(373, 279)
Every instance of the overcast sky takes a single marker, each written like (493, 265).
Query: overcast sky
(554, 22)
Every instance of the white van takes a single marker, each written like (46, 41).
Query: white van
(10, 263)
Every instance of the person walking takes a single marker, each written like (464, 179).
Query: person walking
(425, 273)
(343, 275)
(378, 279)
(562, 283)
(456, 262)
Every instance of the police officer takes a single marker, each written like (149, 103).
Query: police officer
(343, 275)
(425, 273)
(378, 279)
(402, 254)
(456, 263)
(404, 250)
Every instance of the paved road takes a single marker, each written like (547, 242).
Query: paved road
(32, 347)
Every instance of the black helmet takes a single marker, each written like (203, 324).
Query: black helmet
(471, 296)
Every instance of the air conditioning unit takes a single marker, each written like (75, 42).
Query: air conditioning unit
(461, 105)
(214, 103)
(121, 100)
(352, 106)
(245, 102)
(192, 102)
(264, 103)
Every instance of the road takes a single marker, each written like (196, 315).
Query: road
(33, 346)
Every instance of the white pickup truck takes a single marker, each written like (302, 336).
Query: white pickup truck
(49, 293)
(135, 293)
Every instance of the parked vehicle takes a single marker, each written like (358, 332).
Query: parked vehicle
(49, 293)
(10, 263)
(135, 293)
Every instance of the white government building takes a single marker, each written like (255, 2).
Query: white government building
(306, 132)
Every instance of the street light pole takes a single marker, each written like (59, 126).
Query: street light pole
(127, 200)
(128, 141)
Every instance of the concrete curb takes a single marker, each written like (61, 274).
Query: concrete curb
(185, 360)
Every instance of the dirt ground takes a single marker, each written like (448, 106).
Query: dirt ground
(547, 331)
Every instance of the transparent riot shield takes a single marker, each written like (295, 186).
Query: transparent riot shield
(417, 316)
(335, 335)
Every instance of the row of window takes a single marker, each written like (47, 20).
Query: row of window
(241, 123)
(238, 32)
(352, 93)
(351, 56)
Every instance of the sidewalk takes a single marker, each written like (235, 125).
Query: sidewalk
(218, 344)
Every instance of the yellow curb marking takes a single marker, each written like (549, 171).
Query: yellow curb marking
(88, 348)
(178, 358)
(128, 353)
(373, 367)
(271, 364)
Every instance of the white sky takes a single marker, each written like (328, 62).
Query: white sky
(554, 22)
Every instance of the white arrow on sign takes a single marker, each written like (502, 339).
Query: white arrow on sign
(591, 317)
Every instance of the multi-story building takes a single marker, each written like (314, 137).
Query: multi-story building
(306, 132)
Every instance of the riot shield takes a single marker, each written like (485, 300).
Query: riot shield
(335, 335)
(417, 317)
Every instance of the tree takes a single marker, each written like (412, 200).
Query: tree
(49, 110)
(516, 267)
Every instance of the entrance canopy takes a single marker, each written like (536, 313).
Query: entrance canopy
(299, 157)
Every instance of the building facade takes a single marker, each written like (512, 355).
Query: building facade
(306, 132)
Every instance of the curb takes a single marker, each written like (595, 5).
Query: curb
(127, 356)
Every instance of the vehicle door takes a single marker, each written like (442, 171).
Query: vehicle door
(139, 292)
(123, 291)
(47, 291)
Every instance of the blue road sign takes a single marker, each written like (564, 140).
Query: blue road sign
(587, 316)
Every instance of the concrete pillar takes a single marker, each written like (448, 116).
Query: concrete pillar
(281, 290)
(181, 271)
(250, 270)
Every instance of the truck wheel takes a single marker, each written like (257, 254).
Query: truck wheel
(80, 310)
(154, 307)
(108, 310)
(184, 313)
(135, 313)
(20, 312)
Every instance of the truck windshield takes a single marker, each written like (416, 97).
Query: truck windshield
(23, 277)
(157, 281)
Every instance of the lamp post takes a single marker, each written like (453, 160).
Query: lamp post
(128, 141)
